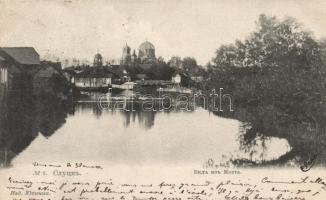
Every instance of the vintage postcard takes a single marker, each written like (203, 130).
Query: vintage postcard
(162, 100)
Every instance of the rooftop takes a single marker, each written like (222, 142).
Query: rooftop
(146, 45)
(23, 55)
(95, 72)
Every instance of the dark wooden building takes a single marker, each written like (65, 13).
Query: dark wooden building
(17, 68)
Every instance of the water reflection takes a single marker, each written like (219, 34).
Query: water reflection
(23, 116)
(261, 123)
(145, 119)
(58, 129)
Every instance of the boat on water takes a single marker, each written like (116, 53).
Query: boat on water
(124, 86)
(178, 89)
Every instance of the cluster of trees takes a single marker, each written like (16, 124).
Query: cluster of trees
(162, 70)
(278, 73)
(280, 59)
(187, 65)
(157, 71)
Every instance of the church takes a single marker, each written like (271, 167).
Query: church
(101, 75)
(146, 55)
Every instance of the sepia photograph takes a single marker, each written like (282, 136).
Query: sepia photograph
(162, 100)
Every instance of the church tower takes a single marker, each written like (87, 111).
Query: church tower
(98, 60)
(126, 57)
(134, 59)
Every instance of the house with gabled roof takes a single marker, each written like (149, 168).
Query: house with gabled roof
(17, 66)
(23, 55)
(49, 77)
(94, 78)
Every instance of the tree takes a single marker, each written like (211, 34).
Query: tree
(189, 64)
(276, 43)
(279, 64)
(175, 62)
(277, 79)
(160, 71)
(160, 60)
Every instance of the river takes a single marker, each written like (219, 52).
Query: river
(54, 131)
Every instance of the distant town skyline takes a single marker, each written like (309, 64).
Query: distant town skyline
(80, 29)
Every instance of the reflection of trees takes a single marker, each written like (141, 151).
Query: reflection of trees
(263, 122)
(50, 114)
(23, 116)
(93, 106)
(139, 115)
(251, 140)
(145, 118)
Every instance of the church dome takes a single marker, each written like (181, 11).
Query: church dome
(146, 53)
(146, 46)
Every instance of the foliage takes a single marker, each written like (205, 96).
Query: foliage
(160, 71)
(277, 75)
(175, 62)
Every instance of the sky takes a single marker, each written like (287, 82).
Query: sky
(81, 28)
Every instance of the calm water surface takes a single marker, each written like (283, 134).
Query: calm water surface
(146, 138)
